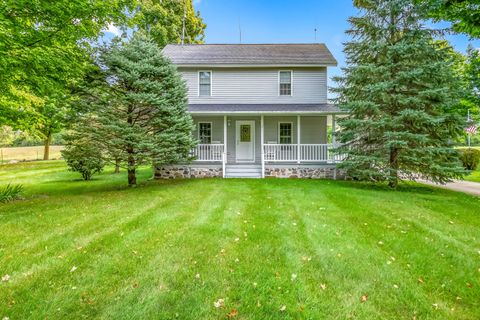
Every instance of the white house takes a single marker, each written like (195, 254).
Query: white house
(259, 109)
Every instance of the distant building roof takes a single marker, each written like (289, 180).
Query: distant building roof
(263, 108)
(311, 54)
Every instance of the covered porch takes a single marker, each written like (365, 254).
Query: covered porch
(263, 139)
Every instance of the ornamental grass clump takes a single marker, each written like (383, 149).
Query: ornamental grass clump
(10, 192)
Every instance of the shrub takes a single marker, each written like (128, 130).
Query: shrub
(10, 192)
(470, 158)
(84, 158)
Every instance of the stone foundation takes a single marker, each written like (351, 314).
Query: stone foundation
(327, 172)
(183, 172)
(303, 172)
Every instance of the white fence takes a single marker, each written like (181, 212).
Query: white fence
(208, 152)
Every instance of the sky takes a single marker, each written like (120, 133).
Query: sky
(287, 21)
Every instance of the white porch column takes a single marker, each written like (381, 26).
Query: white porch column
(225, 134)
(224, 155)
(334, 140)
(334, 130)
(261, 145)
(298, 139)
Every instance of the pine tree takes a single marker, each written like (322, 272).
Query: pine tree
(399, 88)
(142, 115)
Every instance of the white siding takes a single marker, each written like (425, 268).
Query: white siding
(258, 85)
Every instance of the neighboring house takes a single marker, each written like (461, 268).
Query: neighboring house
(259, 110)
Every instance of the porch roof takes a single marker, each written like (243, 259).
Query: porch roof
(323, 108)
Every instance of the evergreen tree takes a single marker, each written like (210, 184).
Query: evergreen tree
(399, 89)
(142, 114)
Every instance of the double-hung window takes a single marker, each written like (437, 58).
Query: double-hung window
(205, 132)
(205, 83)
(285, 132)
(285, 83)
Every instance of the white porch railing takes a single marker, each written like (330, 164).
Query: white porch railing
(208, 152)
(308, 153)
(280, 152)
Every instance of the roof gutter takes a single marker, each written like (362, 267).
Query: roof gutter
(215, 65)
(267, 112)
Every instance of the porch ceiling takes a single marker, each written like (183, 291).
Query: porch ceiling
(264, 109)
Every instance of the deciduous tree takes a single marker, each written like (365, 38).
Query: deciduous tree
(163, 21)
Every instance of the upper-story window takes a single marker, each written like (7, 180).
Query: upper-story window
(285, 83)
(205, 83)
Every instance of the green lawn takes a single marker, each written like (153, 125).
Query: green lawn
(474, 176)
(171, 249)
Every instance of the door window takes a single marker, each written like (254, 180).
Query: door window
(245, 133)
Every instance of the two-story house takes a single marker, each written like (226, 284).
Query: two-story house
(259, 110)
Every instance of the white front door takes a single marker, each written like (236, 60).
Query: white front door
(245, 141)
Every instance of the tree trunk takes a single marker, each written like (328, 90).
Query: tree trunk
(393, 161)
(46, 146)
(117, 166)
(132, 178)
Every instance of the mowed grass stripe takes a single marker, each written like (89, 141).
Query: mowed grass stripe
(138, 251)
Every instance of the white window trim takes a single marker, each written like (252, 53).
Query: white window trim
(211, 82)
(291, 83)
(278, 130)
(211, 130)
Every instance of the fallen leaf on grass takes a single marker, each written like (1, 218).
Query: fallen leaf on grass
(364, 298)
(232, 314)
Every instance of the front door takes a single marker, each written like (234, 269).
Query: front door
(245, 141)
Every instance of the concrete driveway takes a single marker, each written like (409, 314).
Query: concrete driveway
(457, 185)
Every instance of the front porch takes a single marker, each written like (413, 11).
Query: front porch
(268, 143)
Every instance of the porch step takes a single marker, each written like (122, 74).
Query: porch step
(243, 171)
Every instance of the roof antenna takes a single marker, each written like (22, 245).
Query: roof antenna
(183, 22)
(240, 30)
(315, 30)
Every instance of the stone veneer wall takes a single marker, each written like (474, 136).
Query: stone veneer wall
(304, 172)
(185, 171)
(326, 172)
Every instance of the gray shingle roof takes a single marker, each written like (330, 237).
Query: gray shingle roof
(253, 108)
(250, 54)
